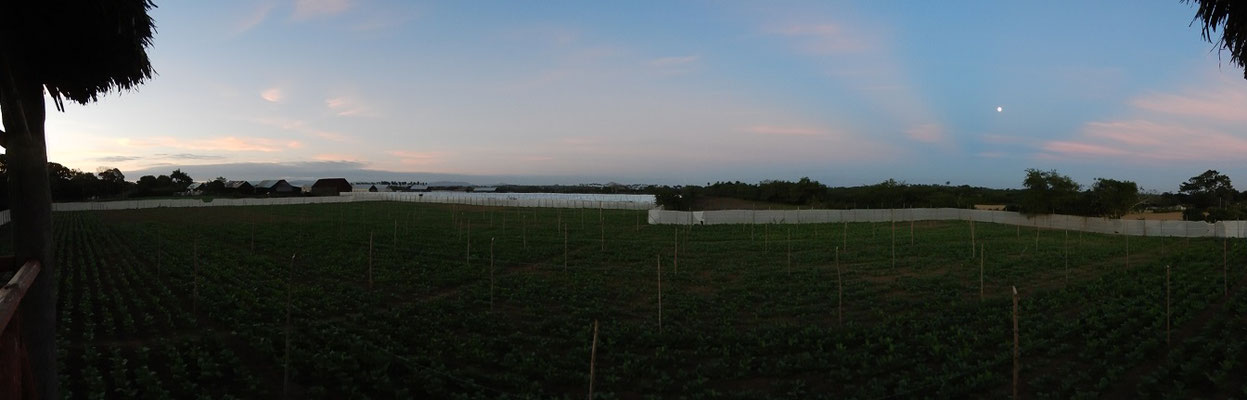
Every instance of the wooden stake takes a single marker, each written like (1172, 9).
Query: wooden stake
(370, 260)
(491, 274)
(972, 241)
(982, 262)
(602, 226)
(467, 255)
(844, 238)
(1036, 236)
(524, 230)
(253, 238)
(564, 249)
(195, 278)
(677, 250)
(285, 380)
(1017, 353)
(1225, 266)
(159, 242)
(893, 243)
(1167, 315)
(593, 356)
(659, 294)
(789, 251)
(396, 234)
(911, 231)
(840, 291)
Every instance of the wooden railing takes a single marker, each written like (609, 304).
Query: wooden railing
(11, 294)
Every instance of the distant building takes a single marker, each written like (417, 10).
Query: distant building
(364, 187)
(240, 187)
(330, 186)
(275, 186)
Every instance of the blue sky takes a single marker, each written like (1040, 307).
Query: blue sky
(675, 92)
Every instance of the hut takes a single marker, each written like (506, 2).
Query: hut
(275, 186)
(330, 186)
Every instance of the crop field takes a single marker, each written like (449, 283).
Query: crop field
(398, 300)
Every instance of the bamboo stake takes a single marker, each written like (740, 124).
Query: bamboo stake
(659, 257)
(593, 356)
(1017, 354)
(766, 237)
(911, 230)
(370, 260)
(1225, 266)
(677, 249)
(893, 243)
(1167, 314)
(1036, 236)
(253, 238)
(285, 380)
(789, 243)
(602, 226)
(396, 234)
(491, 274)
(195, 278)
(840, 291)
(844, 238)
(972, 241)
(467, 255)
(524, 230)
(564, 249)
(982, 261)
(159, 242)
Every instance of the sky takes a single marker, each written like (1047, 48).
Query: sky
(847, 93)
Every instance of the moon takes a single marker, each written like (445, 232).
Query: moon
(1000, 109)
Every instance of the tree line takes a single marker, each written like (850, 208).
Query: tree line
(1209, 196)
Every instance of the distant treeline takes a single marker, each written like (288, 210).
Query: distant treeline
(1208, 196)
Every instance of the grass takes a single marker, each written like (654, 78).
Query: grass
(738, 322)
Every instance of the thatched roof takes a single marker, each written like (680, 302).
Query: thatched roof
(78, 49)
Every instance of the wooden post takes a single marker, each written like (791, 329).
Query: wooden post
(982, 261)
(593, 356)
(253, 238)
(844, 238)
(840, 291)
(911, 230)
(789, 242)
(369, 259)
(396, 234)
(1167, 315)
(195, 278)
(602, 226)
(1225, 266)
(1017, 354)
(564, 249)
(1036, 236)
(972, 241)
(524, 230)
(766, 236)
(285, 380)
(893, 243)
(677, 250)
(159, 242)
(491, 274)
(659, 257)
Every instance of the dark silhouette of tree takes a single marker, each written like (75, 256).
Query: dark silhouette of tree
(1229, 16)
(180, 178)
(1114, 198)
(76, 50)
(1048, 192)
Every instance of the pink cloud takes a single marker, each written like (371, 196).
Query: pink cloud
(784, 130)
(272, 95)
(1081, 149)
(417, 158)
(927, 133)
(226, 143)
(1224, 104)
(347, 106)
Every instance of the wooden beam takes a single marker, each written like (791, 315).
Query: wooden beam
(11, 294)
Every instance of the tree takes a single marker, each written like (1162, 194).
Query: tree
(1114, 198)
(1207, 190)
(1048, 192)
(181, 179)
(77, 50)
(1230, 16)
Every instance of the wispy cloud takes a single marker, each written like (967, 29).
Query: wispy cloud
(226, 143)
(348, 106)
(117, 159)
(308, 9)
(674, 61)
(189, 156)
(823, 38)
(272, 95)
(927, 133)
(255, 17)
(784, 130)
(417, 157)
(1225, 104)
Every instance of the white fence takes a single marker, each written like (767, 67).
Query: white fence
(1233, 229)
(607, 201)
